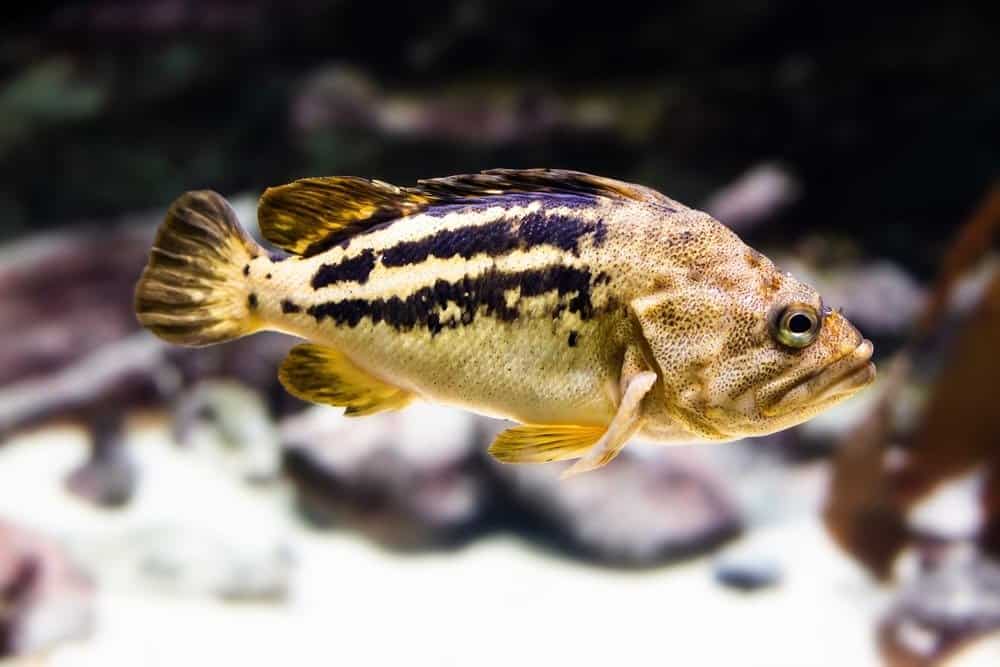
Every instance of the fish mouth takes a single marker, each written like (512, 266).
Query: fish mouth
(832, 383)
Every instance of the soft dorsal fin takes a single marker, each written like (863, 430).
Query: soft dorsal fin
(311, 215)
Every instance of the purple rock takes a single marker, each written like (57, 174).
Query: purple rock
(636, 511)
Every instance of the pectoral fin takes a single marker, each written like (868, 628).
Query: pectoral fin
(539, 444)
(323, 375)
(626, 422)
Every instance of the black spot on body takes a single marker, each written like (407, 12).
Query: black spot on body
(600, 233)
(278, 256)
(252, 301)
(573, 336)
(268, 276)
(356, 269)
(246, 269)
(288, 306)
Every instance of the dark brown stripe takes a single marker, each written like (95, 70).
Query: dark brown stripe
(356, 269)
(474, 204)
(495, 239)
(481, 295)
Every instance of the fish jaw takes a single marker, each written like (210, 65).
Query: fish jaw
(831, 384)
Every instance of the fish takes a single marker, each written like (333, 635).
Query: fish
(586, 309)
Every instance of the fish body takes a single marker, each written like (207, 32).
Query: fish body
(585, 308)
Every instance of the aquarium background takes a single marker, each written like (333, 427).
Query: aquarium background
(168, 506)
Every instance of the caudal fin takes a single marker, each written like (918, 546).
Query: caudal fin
(194, 290)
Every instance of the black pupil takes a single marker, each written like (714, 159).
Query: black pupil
(799, 323)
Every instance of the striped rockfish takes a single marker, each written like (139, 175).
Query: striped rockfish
(587, 309)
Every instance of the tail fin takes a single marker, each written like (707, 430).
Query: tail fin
(194, 289)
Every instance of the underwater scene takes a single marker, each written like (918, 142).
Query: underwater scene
(492, 333)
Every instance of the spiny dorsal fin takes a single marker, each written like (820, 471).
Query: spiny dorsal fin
(322, 375)
(562, 181)
(541, 444)
(311, 215)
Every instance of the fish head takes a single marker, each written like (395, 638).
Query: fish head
(743, 348)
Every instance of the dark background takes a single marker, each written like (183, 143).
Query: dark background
(885, 112)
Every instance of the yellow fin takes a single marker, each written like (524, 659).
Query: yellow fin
(323, 375)
(311, 215)
(541, 444)
(194, 290)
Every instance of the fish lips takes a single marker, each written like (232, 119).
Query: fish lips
(830, 384)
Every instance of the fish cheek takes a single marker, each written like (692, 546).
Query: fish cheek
(683, 333)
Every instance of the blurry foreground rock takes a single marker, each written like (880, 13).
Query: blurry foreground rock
(636, 511)
(44, 598)
(407, 479)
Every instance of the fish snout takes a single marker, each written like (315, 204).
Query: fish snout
(835, 381)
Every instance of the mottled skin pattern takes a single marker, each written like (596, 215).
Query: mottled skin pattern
(546, 307)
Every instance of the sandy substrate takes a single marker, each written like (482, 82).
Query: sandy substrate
(499, 601)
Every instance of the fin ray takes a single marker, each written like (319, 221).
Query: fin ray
(530, 443)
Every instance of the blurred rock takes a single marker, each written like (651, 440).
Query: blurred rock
(758, 194)
(880, 298)
(44, 598)
(747, 566)
(238, 420)
(184, 560)
(71, 348)
(240, 558)
(940, 612)
(635, 511)
(109, 476)
(342, 98)
(62, 296)
(407, 479)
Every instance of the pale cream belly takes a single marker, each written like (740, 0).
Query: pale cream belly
(524, 370)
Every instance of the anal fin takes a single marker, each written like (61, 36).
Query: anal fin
(543, 443)
(323, 375)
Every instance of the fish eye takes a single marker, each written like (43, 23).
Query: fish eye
(797, 325)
